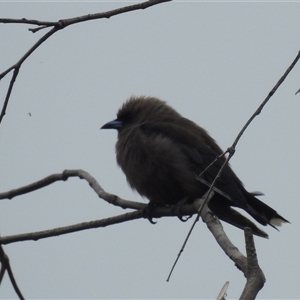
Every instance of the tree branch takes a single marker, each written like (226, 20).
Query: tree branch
(59, 25)
(34, 236)
(70, 21)
(110, 198)
(271, 93)
(248, 265)
(5, 266)
(157, 212)
(255, 276)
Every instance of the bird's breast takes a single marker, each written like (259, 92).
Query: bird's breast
(155, 167)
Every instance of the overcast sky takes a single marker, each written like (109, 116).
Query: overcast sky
(213, 62)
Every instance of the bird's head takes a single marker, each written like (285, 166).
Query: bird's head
(141, 110)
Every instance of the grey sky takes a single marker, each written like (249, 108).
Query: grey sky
(213, 62)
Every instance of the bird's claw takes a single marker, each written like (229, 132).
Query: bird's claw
(150, 219)
(182, 219)
(148, 212)
(177, 211)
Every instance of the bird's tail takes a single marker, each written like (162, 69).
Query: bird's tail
(263, 213)
(227, 214)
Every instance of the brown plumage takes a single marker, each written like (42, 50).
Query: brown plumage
(161, 154)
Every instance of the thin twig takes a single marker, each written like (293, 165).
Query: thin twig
(231, 151)
(59, 25)
(209, 194)
(11, 84)
(104, 15)
(16, 67)
(34, 236)
(271, 93)
(206, 197)
(26, 21)
(48, 180)
(6, 267)
(70, 21)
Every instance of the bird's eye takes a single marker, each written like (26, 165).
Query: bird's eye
(125, 117)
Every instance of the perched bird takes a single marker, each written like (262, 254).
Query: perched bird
(162, 155)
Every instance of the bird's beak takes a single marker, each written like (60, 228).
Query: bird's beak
(115, 124)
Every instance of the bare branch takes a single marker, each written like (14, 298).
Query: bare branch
(67, 22)
(223, 291)
(231, 151)
(216, 228)
(26, 21)
(17, 67)
(248, 265)
(3, 266)
(34, 236)
(56, 27)
(11, 84)
(206, 197)
(255, 276)
(110, 198)
(105, 15)
(6, 267)
(271, 93)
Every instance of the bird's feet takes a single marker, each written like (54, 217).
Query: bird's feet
(177, 210)
(148, 212)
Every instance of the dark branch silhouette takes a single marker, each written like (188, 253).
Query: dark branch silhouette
(248, 265)
(59, 25)
(158, 212)
(70, 21)
(5, 266)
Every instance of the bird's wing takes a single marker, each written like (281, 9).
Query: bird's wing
(200, 151)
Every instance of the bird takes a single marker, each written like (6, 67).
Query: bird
(168, 159)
